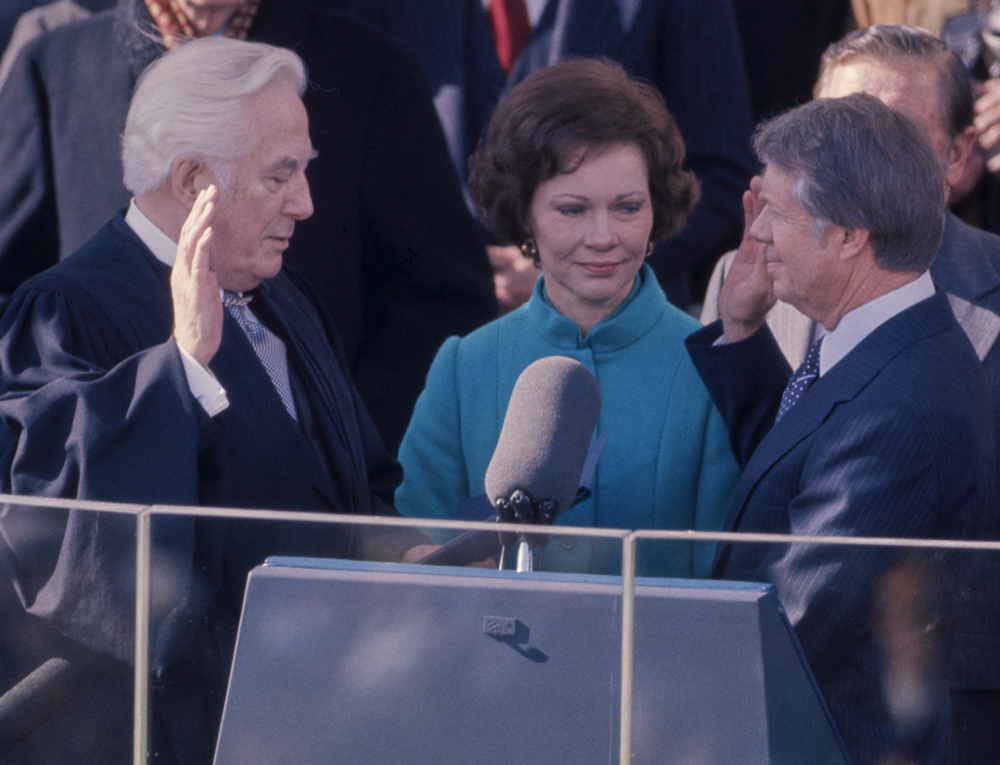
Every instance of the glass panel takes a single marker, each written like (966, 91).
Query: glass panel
(900, 641)
(893, 648)
(67, 626)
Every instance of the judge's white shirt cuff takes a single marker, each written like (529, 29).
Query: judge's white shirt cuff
(204, 387)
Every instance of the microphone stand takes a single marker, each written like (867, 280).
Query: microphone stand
(524, 558)
(520, 507)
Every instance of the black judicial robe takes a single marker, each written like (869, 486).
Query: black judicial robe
(392, 252)
(95, 405)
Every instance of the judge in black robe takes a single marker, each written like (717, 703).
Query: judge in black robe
(88, 361)
(96, 405)
(392, 251)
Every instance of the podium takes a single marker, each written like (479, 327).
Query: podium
(351, 662)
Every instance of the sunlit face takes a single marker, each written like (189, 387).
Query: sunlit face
(806, 272)
(591, 227)
(267, 191)
(912, 88)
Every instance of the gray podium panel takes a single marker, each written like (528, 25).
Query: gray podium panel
(348, 662)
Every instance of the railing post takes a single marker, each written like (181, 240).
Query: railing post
(628, 646)
(142, 589)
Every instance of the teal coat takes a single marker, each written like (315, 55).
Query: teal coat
(667, 463)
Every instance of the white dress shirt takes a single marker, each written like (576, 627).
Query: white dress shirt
(856, 325)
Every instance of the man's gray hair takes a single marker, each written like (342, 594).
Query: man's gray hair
(860, 165)
(895, 44)
(189, 103)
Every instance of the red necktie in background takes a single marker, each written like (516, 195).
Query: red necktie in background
(509, 19)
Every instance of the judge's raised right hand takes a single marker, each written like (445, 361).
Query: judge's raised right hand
(747, 293)
(197, 303)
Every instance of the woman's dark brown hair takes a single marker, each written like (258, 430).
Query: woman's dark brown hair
(540, 127)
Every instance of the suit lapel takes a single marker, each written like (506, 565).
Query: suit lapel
(841, 383)
(327, 392)
(799, 423)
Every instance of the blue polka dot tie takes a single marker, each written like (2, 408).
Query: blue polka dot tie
(804, 376)
(269, 349)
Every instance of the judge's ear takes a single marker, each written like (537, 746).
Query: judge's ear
(188, 177)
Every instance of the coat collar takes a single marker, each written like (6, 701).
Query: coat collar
(637, 314)
(159, 268)
(968, 262)
(967, 267)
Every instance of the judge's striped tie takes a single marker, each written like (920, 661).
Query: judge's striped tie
(269, 349)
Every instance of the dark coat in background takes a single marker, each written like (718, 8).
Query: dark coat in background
(889, 442)
(391, 249)
(689, 49)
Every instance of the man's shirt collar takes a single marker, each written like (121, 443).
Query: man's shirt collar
(856, 325)
(162, 246)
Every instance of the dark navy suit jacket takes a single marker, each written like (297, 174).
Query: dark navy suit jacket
(967, 268)
(891, 441)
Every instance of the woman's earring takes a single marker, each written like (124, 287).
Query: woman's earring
(529, 249)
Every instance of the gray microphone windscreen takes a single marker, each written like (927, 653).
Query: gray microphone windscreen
(546, 432)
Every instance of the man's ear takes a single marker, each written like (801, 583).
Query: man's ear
(188, 177)
(852, 241)
(958, 155)
(962, 170)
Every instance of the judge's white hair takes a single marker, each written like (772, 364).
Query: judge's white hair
(188, 103)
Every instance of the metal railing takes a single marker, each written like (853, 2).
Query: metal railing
(628, 539)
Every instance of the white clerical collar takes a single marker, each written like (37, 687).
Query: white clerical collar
(856, 325)
(162, 246)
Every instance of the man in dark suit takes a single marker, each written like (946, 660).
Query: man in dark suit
(689, 49)
(912, 71)
(392, 251)
(173, 360)
(881, 431)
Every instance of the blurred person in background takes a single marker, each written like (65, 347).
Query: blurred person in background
(473, 53)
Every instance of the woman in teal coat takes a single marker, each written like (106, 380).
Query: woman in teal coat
(582, 166)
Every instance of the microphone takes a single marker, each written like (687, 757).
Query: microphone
(537, 465)
(33, 701)
(535, 470)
